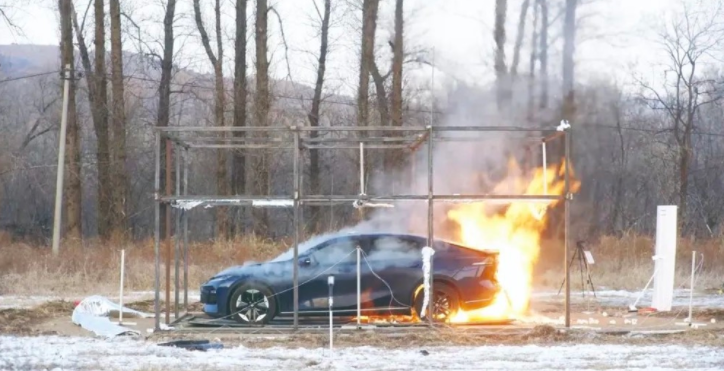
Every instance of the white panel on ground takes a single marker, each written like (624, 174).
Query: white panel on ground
(665, 258)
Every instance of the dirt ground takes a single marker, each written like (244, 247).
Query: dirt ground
(590, 323)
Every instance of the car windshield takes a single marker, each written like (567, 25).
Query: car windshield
(304, 247)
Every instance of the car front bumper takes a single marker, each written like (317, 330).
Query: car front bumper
(214, 300)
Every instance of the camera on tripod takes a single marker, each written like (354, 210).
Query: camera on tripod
(585, 258)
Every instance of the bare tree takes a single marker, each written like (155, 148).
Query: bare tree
(690, 39)
(383, 106)
(73, 187)
(262, 104)
(501, 71)
(569, 47)
(532, 63)
(543, 5)
(239, 160)
(369, 26)
(519, 38)
(97, 96)
(119, 175)
(314, 169)
(397, 61)
(164, 90)
(222, 182)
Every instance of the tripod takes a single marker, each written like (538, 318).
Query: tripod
(578, 254)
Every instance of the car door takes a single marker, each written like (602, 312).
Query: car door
(396, 266)
(336, 257)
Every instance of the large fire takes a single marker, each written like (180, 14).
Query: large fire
(515, 233)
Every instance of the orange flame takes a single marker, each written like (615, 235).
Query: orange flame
(516, 234)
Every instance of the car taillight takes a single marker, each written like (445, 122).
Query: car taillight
(488, 268)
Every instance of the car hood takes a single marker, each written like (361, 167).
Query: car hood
(254, 269)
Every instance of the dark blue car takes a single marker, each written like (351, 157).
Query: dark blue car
(391, 276)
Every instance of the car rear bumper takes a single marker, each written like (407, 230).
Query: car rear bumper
(482, 296)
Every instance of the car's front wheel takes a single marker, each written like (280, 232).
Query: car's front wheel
(445, 304)
(252, 304)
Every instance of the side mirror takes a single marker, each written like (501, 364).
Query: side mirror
(305, 261)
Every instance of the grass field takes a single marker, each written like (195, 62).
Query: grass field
(92, 267)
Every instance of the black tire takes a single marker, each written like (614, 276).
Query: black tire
(252, 304)
(446, 299)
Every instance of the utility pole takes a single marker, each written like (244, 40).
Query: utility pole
(67, 75)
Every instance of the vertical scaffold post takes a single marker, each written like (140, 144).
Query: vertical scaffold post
(430, 236)
(567, 222)
(185, 218)
(296, 227)
(157, 233)
(177, 236)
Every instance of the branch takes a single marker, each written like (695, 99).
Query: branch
(9, 22)
(284, 40)
(85, 15)
(204, 36)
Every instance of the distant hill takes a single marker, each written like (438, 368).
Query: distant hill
(19, 59)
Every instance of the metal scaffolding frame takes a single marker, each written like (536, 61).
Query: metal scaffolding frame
(297, 139)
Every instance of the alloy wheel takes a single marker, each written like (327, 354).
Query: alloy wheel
(252, 306)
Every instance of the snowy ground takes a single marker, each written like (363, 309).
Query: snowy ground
(38, 353)
(622, 298)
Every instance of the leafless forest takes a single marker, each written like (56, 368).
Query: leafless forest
(659, 140)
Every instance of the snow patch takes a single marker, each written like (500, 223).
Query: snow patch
(92, 314)
(73, 353)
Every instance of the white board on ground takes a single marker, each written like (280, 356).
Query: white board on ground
(665, 258)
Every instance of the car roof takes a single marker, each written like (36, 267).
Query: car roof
(398, 234)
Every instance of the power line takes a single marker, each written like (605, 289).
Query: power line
(645, 130)
(28, 76)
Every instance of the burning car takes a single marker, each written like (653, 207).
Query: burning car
(390, 273)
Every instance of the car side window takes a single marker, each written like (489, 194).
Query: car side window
(337, 251)
(387, 248)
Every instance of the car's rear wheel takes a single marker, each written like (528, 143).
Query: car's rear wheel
(252, 304)
(445, 303)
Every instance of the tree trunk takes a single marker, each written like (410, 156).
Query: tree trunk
(519, 38)
(382, 103)
(501, 71)
(397, 60)
(369, 26)
(164, 92)
(97, 97)
(222, 182)
(367, 60)
(314, 169)
(569, 45)
(119, 175)
(543, 53)
(394, 157)
(72, 185)
(222, 177)
(684, 161)
(531, 67)
(239, 160)
(261, 110)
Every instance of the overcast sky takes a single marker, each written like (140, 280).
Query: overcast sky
(615, 37)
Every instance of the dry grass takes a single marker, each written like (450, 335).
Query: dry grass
(621, 263)
(93, 267)
(626, 263)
